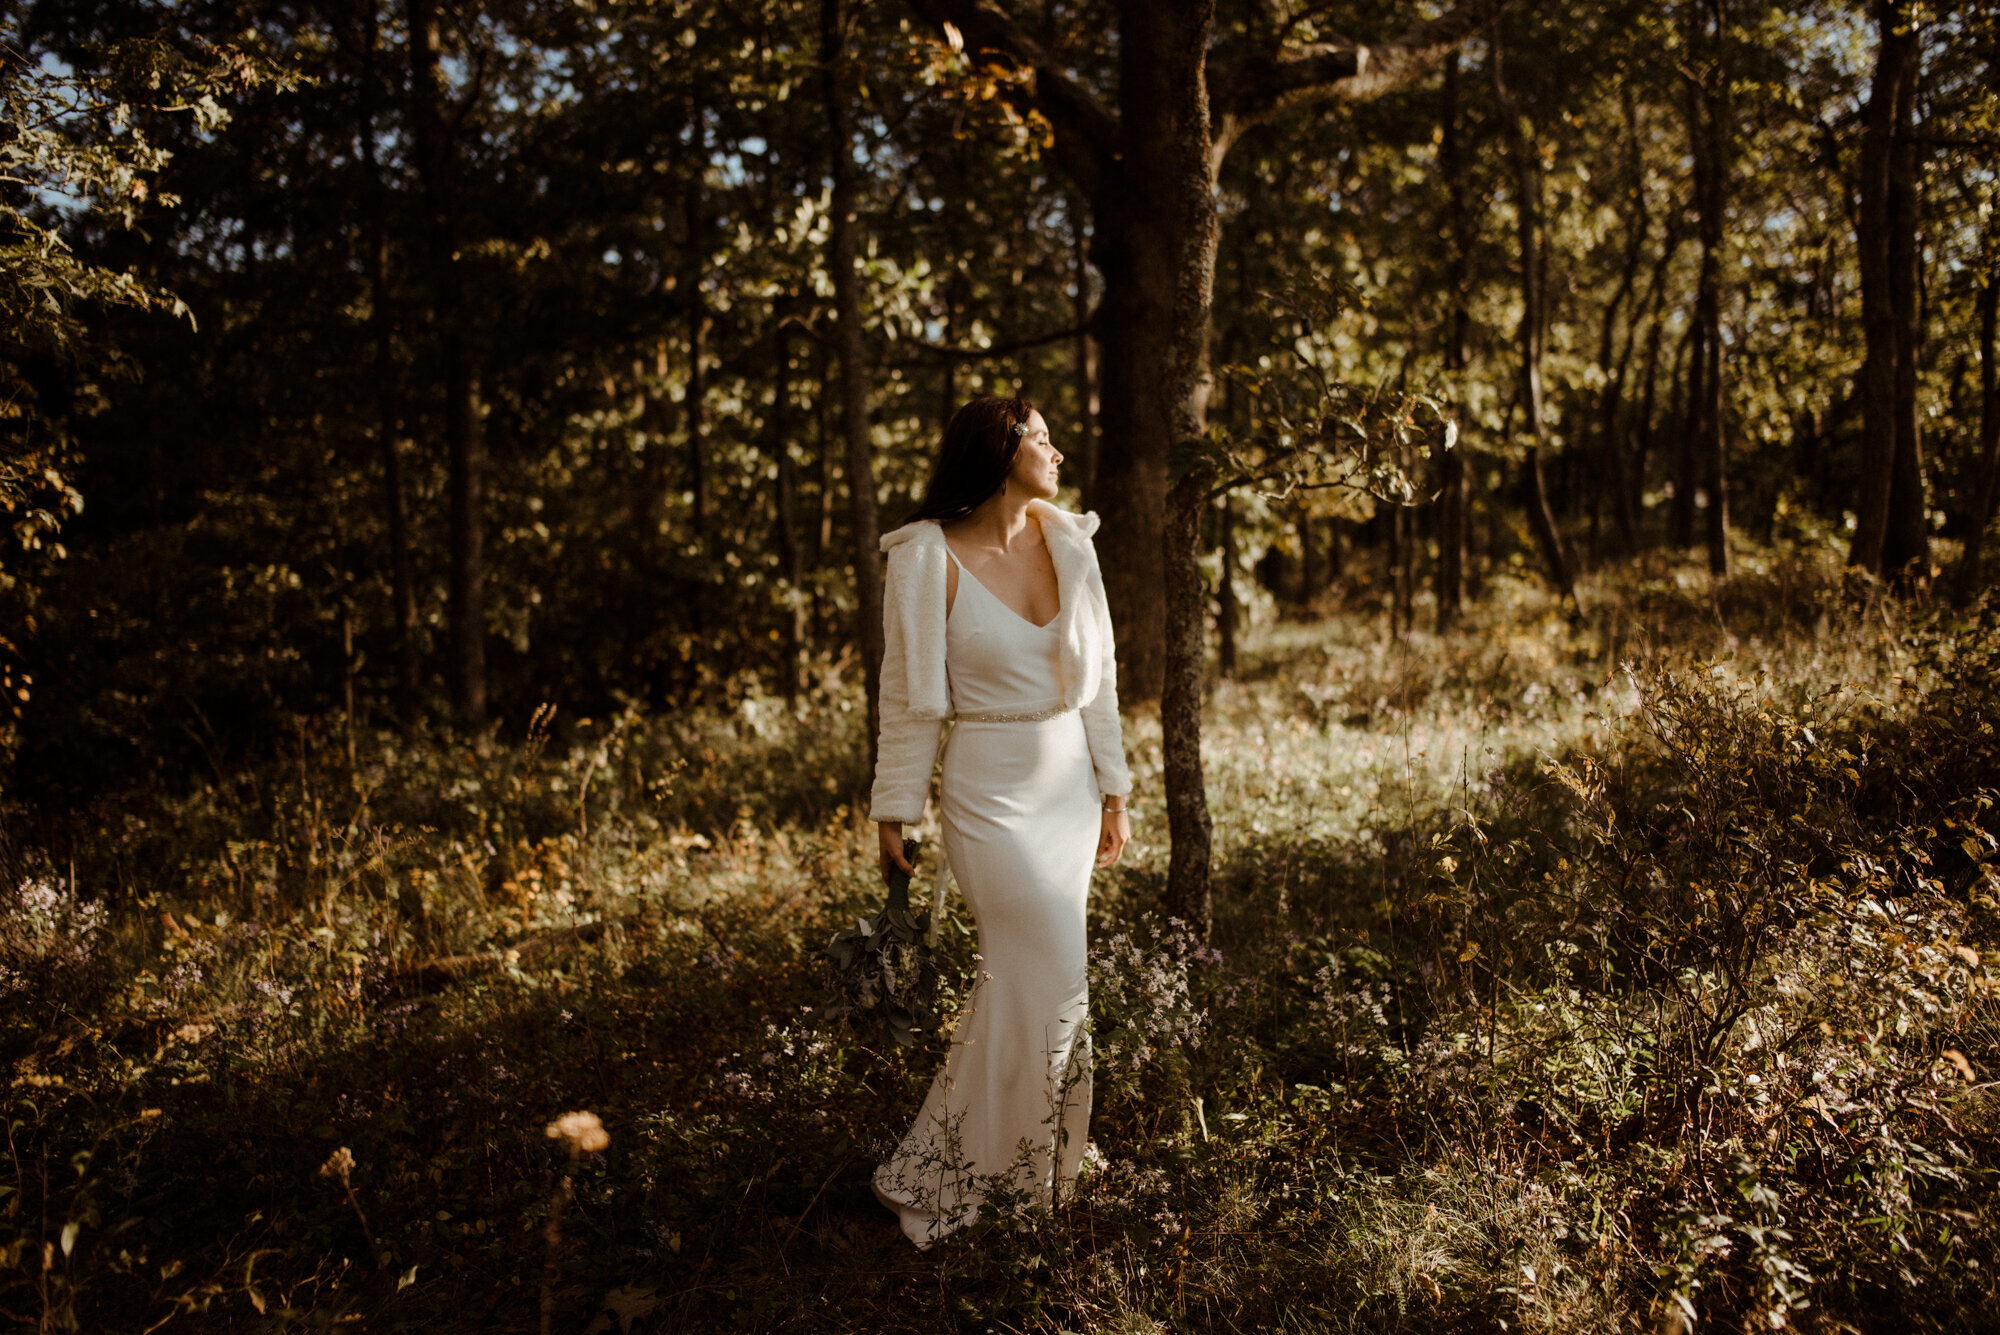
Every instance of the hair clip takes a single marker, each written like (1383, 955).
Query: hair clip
(1018, 429)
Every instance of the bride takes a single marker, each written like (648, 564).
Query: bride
(995, 618)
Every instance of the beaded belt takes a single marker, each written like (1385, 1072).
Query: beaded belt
(1039, 716)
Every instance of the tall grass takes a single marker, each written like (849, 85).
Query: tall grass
(1571, 978)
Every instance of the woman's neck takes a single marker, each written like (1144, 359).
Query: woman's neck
(1001, 521)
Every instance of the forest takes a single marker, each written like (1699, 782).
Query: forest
(1544, 455)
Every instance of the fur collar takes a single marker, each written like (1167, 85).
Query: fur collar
(917, 559)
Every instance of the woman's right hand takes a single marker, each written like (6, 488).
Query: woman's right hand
(891, 832)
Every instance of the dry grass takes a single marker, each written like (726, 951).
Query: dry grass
(1448, 1069)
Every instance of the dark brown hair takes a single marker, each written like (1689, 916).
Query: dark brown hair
(975, 457)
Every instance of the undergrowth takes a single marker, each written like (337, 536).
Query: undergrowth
(1625, 976)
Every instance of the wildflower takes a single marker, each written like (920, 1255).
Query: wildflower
(583, 1132)
(338, 1165)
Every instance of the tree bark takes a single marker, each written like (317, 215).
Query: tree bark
(1884, 255)
(464, 446)
(1308, 583)
(1532, 331)
(388, 409)
(1641, 428)
(1172, 90)
(1083, 361)
(1965, 583)
(695, 313)
(1906, 543)
(1226, 611)
(836, 82)
(1612, 472)
(1708, 114)
(791, 557)
(1453, 484)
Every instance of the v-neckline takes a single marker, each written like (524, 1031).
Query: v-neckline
(1002, 601)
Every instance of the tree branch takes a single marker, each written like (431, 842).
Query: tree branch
(1086, 131)
(937, 353)
(1257, 87)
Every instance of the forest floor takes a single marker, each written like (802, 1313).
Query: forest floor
(1637, 973)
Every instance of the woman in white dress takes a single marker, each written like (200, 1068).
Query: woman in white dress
(995, 618)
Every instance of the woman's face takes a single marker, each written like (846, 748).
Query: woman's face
(1036, 461)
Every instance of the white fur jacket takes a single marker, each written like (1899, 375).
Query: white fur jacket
(915, 697)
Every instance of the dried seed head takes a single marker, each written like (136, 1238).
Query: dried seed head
(338, 1165)
(585, 1134)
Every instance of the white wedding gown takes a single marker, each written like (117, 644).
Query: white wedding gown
(1021, 825)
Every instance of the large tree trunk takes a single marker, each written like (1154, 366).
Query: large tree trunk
(1965, 584)
(464, 447)
(1533, 331)
(835, 82)
(1165, 55)
(1885, 244)
(1134, 248)
(388, 412)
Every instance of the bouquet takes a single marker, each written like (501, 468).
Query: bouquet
(881, 972)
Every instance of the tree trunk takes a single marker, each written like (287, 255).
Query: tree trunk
(1965, 584)
(1611, 473)
(1453, 484)
(695, 312)
(464, 448)
(1134, 249)
(1641, 428)
(1883, 123)
(1906, 542)
(1226, 611)
(1533, 329)
(1083, 363)
(1307, 583)
(1686, 457)
(388, 413)
(836, 81)
(1708, 113)
(791, 557)
(1163, 60)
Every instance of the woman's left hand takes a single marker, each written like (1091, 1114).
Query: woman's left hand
(1117, 832)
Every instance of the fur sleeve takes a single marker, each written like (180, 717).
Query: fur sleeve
(1101, 723)
(906, 746)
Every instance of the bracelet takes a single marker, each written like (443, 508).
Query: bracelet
(1119, 798)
